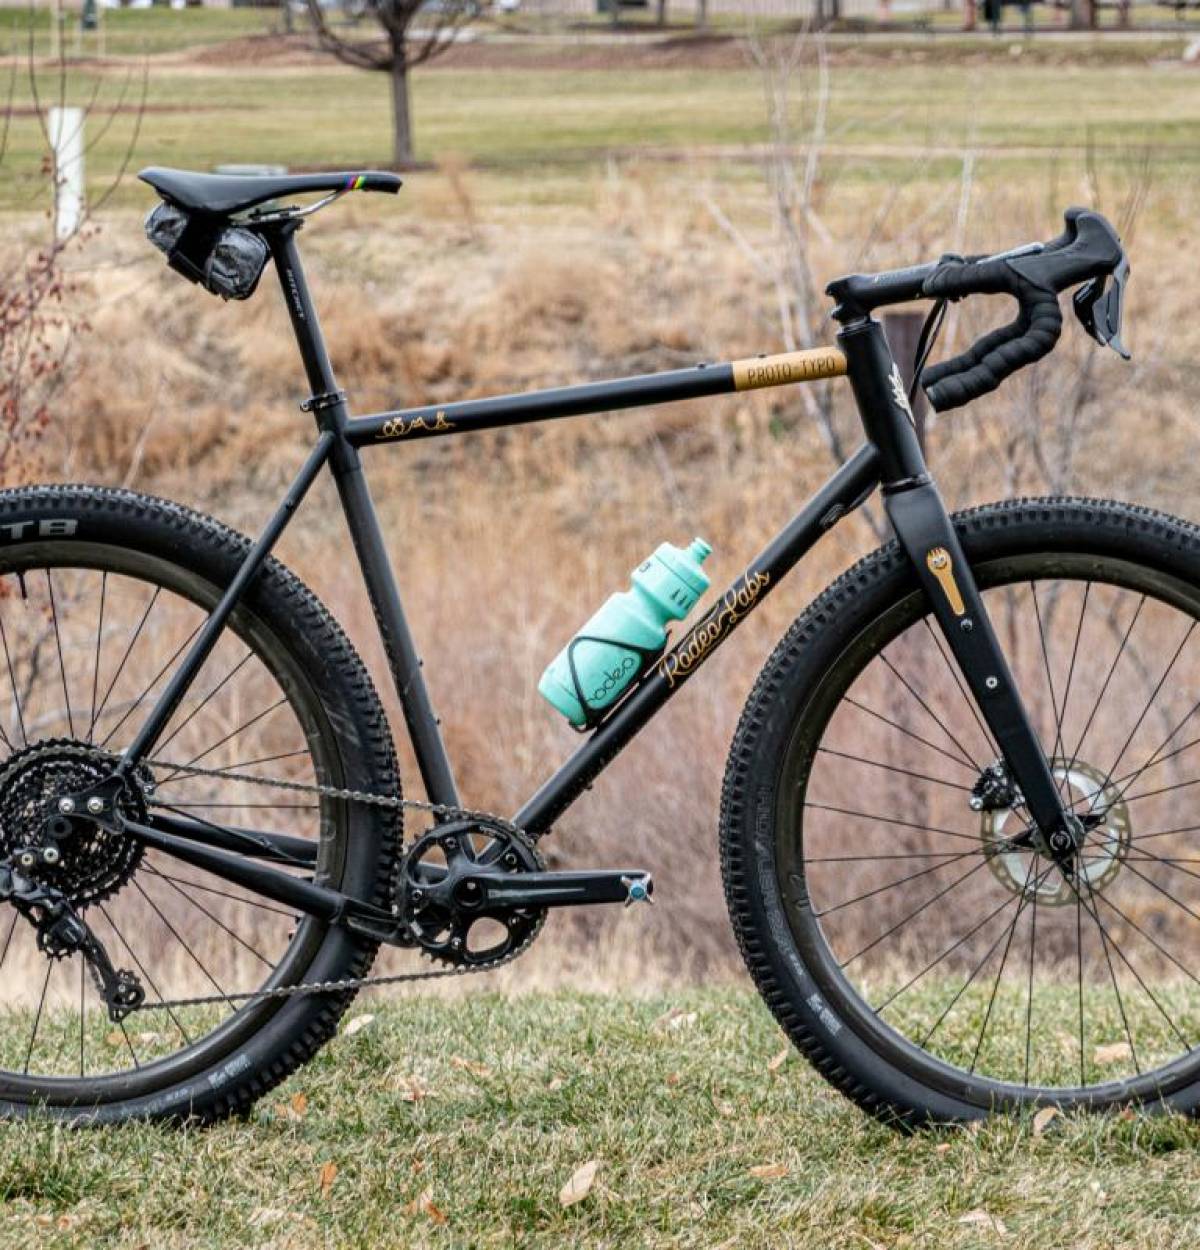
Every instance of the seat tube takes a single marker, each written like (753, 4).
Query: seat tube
(926, 533)
(328, 405)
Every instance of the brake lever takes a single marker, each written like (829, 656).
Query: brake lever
(1098, 305)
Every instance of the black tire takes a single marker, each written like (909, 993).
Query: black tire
(340, 722)
(772, 876)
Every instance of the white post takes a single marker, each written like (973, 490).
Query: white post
(66, 139)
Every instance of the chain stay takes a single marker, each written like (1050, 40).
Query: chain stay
(388, 801)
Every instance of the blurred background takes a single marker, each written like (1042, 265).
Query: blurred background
(591, 191)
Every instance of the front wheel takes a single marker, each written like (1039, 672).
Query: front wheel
(919, 952)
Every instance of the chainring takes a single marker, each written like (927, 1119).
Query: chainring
(95, 862)
(435, 899)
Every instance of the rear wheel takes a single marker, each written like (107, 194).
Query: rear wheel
(927, 960)
(100, 594)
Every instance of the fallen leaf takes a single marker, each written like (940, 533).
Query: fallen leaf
(580, 1184)
(727, 1109)
(356, 1024)
(148, 1038)
(326, 1177)
(556, 1083)
(1041, 1121)
(1100, 1195)
(943, 1148)
(115, 1038)
(676, 1018)
(467, 1065)
(409, 1089)
(985, 1219)
(769, 1171)
(299, 1105)
(423, 1204)
(777, 1061)
(1114, 1052)
(672, 1079)
(1127, 1113)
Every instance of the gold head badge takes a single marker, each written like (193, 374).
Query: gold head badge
(942, 567)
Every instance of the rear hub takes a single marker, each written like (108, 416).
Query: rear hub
(85, 860)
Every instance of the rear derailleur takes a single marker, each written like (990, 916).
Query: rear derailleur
(61, 931)
(475, 892)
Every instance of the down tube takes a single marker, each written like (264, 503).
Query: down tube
(847, 488)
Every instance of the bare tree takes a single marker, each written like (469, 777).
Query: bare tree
(407, 33)
(38, 323)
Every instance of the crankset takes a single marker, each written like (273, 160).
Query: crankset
(475, 892)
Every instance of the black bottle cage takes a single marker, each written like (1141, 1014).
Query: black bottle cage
(593, 716)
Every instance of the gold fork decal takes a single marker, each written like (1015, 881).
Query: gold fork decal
(941, 566)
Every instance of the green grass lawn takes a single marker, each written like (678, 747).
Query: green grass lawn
(558, 128)
(457, 1123)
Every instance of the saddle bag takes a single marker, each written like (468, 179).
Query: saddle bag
(225, 259)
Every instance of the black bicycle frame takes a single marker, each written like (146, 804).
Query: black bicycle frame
(891, 458)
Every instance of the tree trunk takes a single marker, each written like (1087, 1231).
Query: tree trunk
(701, 12)
(402, 150)
(660, 12)
(969, 15)
(1083, 15)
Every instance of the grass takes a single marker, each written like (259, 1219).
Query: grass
(497, 119)
(476, 1111)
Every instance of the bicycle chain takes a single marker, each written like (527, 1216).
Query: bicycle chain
(389, 801)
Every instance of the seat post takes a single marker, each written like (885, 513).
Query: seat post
(305, 324)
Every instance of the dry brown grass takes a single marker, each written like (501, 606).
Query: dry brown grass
(505, 542)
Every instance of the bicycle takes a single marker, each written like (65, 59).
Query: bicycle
(199, 769)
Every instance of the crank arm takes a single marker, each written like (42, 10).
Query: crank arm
(512, 891)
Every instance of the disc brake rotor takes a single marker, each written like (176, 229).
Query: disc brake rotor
(1098, 804)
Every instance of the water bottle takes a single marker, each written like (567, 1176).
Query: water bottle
(593, 670)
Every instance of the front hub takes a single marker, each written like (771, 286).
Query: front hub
(1089, 855)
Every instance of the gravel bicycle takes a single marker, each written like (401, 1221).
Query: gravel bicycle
(955, 830)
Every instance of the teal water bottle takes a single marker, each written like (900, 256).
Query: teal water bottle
(593, 670)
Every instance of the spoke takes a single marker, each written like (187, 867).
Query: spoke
(37, 1020)
(1059, 743)
(1149, 704)
(9, 936)
(213, 917)
(870, 711)
(979, 967)
(988, 741)
(891, 768)
(966, 937)
(966, 755)
(179, 775)
(1136, 975)
(129, 711)
(892, 820)
(12, 679)
(912, 915)
(62, 667)
(129, 1043)
(1104, 688)
(203, 703)
(1037, 611)
(1012, 928)
(230, 736)
(1111, 973)
(129, 647)
(891, 885)
(1164, 892)
(1079, 967)
(82, 1016)
(1029, 990)
(1158, 946)
(96, 667)
(175, 934)
(149, 979)
(208, 889)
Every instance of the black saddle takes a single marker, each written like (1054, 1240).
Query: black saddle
(225, 194)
